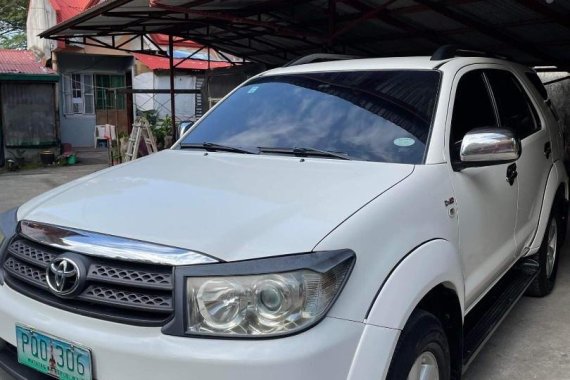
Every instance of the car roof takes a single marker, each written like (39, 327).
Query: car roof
(393, 63)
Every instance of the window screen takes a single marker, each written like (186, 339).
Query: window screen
(78, 94)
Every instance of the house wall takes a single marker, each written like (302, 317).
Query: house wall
(41, 16)
(79, 129)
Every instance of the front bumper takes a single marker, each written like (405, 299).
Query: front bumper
(129, 352)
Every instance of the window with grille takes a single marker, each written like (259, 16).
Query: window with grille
(107, 97)
(78, 93)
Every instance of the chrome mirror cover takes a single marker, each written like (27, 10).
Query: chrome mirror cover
(489, 145)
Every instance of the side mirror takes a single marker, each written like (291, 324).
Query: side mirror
(489, 146)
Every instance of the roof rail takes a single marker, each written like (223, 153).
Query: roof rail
(452, 51)
(319, 57)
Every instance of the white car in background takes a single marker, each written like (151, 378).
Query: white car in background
(356, 219)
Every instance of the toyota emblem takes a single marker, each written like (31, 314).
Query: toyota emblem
(63, 276)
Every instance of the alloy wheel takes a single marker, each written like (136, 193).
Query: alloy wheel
(425, 368)
(551, 248)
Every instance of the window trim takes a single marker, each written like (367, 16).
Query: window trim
(451, 107)
(534, 109)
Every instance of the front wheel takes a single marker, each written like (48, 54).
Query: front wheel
(547, 258)
(422, 352)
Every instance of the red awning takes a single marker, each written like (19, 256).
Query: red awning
(161, 63)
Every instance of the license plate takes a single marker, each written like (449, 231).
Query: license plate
(53, 356)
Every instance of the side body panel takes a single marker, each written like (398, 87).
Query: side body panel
(387, 229)
(557, 175)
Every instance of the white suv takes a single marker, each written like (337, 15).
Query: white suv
(357, 219)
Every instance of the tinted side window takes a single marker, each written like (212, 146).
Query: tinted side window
(472, 108)
(515, 109)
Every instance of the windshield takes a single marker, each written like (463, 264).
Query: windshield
(382, 116)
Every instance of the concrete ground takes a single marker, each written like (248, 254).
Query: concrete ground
(532, 343)
(18, 187)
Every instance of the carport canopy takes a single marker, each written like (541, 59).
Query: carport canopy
(273, 32)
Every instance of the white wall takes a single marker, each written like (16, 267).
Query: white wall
(41, 16)
(143, 102)
(185, 103)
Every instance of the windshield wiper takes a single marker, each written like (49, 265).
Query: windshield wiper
(306, 151)
(213, 147)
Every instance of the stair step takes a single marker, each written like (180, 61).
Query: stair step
(484, 319)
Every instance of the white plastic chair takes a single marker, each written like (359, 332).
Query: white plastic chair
(104, 132)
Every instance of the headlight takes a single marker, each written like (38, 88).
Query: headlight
(278, 302)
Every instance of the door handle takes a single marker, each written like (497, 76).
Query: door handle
(512, 173)
(547, 149)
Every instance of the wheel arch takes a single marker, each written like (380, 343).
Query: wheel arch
(433, 264)
(428, 278)
(556, 194)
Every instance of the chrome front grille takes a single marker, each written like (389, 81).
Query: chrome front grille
(128, 292)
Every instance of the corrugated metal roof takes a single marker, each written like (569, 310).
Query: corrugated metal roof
(248, 29)
(21, 62)
(162, 63)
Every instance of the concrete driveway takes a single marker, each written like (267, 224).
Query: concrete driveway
(532, 343)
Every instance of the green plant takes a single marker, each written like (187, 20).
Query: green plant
(150, 115)
(161, 130)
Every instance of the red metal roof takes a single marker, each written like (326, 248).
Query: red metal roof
(162, 39)
(66, 9)
(161, 63)
(21, 61)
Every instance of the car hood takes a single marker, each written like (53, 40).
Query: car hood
(229, 206)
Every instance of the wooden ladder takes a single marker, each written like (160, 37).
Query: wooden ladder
(141, 129)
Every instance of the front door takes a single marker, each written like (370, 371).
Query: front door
(517, 112)
(486, 202)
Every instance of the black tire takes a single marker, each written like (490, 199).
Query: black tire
(423, 333)
(544, 282)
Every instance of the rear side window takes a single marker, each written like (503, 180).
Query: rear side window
(515, 109)
(472, 108)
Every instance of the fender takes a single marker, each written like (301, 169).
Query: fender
(556, 177)
(427, 266)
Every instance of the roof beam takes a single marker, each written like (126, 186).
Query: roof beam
(546, 11)
(389, 19)
(488, 30)
(97, 10)
(371, 13)
(229, 18)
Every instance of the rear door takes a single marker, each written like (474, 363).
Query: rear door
(517, 111)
